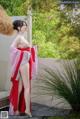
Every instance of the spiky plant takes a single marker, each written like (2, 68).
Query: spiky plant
(64, 82)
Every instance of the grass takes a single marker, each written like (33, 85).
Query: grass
(70, 116)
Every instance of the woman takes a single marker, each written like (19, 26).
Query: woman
(23, 67)
(22, 58)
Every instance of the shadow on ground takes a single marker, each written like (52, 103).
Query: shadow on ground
(39, 110)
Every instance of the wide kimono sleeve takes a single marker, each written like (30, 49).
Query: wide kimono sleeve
(14, 60)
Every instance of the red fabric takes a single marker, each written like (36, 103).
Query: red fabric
(14, 90)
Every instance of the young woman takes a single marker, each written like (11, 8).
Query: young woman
(23, 64)
(22, 57)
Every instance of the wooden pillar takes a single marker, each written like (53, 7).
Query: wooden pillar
(29, 21)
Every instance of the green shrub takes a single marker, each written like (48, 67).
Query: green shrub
(63, 82)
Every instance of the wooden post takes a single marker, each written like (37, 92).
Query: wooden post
(29, 21)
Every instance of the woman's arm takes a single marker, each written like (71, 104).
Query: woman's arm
(15, 42)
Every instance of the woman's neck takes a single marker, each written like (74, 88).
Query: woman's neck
(21, 33)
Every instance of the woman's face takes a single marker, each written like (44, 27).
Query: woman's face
(24, 27)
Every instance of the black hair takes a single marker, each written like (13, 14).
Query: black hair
(18, 23)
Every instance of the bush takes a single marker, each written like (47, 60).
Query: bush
(63, 82)
(62, 38)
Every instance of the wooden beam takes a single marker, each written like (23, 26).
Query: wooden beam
(29, 15)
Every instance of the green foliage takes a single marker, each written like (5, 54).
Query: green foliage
(58, 117)
(16, 7)
(69, 116)
(63, 82)
(63, 36)
(43, 5)
(43, 30)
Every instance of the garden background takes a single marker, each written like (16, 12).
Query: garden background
(56, 31)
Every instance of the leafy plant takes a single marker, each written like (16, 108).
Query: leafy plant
(62, 38)
(16, 7)
(63, 82)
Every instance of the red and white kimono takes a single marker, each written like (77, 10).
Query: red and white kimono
(18, 57)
